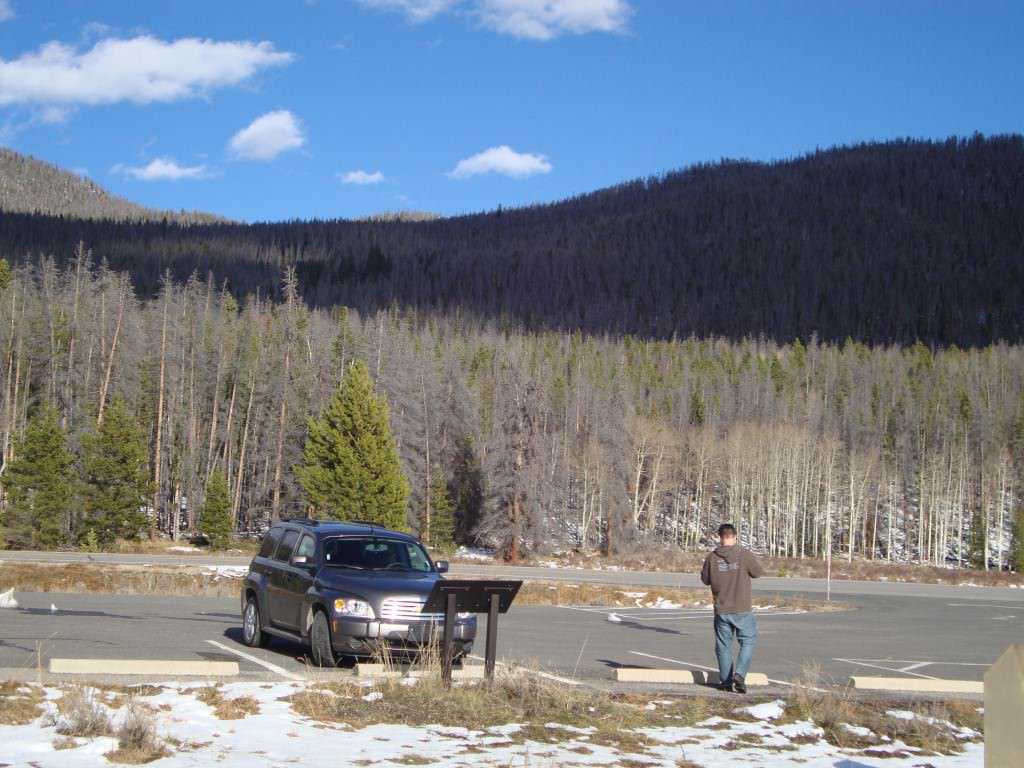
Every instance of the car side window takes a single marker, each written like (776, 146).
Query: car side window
(270, 542)
(306, 548)
(284, 551)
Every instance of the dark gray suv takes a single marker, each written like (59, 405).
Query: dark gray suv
(344, 589)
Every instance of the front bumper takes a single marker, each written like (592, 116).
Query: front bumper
(354, 636)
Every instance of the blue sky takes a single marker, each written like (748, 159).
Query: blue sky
(338, 108)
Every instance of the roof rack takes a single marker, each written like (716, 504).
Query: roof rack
(300, 520)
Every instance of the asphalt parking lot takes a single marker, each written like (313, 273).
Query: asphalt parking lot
(894, 636)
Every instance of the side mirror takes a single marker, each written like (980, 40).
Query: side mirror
(442, 566)
(301, 561)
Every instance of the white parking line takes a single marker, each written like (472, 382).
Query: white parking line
(255, 660)
(698, 666)
(537, 672)
(862, 663)
(983, 605)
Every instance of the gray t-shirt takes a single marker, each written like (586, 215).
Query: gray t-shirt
(728, 571)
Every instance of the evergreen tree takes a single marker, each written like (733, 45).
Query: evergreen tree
(1017, 553)
(215, 516)
(976, 541)
(115, 476)
(696, 409)
(40, 485)
(351, 463)
(442, 521)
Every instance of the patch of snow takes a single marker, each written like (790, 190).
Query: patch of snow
(664, 604)
(769, 710)
(7, 599)
(858, 730)
(476, 553)
(900, 714)
(614, 618)
(227, 571)
(374, 696)
(183, 549)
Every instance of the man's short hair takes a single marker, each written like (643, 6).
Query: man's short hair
(726, 529)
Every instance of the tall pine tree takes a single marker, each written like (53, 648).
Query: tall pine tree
(115, 477)
(442, 521)
(351, 467)
(40, 485)
(215, 516)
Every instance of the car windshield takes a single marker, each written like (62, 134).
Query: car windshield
(371, 553)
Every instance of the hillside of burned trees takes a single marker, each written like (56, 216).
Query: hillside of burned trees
(546, 440)
(882, 243)
(28, 185)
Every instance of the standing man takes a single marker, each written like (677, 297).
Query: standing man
(728, 571)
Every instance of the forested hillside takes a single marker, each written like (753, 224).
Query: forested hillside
(28, 185)
(882, 243)
(544, 439)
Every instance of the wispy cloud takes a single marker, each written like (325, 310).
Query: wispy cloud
(361, 177)
(503, 160)
(530, 19)
(161, 169)
(414, 10)
(268, 136)
(6, 10)
(547, 19)
(141, 70)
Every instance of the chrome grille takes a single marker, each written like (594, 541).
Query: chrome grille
(406, 609)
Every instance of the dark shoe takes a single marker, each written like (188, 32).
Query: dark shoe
(725, 685)
(739, 684)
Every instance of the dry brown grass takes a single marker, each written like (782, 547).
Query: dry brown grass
(137, 741)
(81, 714)
(119, 579)
(859, 569)
(20, 703)
(609, 595)
(191, 581)
(224, 708)
(238, 548)
(831, 708)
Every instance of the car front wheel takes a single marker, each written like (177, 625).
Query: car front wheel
(320, 642)
(252, 635)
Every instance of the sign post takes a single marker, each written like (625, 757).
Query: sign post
(465, 596)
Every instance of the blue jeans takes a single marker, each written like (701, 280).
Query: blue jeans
(744, 626)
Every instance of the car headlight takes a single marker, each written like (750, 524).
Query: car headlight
(358, 608)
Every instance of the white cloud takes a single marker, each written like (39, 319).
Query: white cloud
(140, 70)
(414, 10)
(503, 160)
(546, 19)
(531, 19)
(161, 169)
(268, 136)
(6, 11)
(361, 177)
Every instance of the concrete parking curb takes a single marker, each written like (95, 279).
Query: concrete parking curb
(683, 676)
(917, 685)
(474, 672)
(150, 667)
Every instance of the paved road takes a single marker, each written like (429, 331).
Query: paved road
(814, 587)
(885, 635)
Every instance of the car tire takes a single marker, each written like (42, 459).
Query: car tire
(252, 635)
(320, 642)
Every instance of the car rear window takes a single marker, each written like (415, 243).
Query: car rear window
(284, 551)
(376, 554)
(269, 542)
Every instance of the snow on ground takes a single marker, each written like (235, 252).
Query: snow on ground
(183, 549)
(227, 571)
(277, 736)
(7, 599)
(475, 553)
